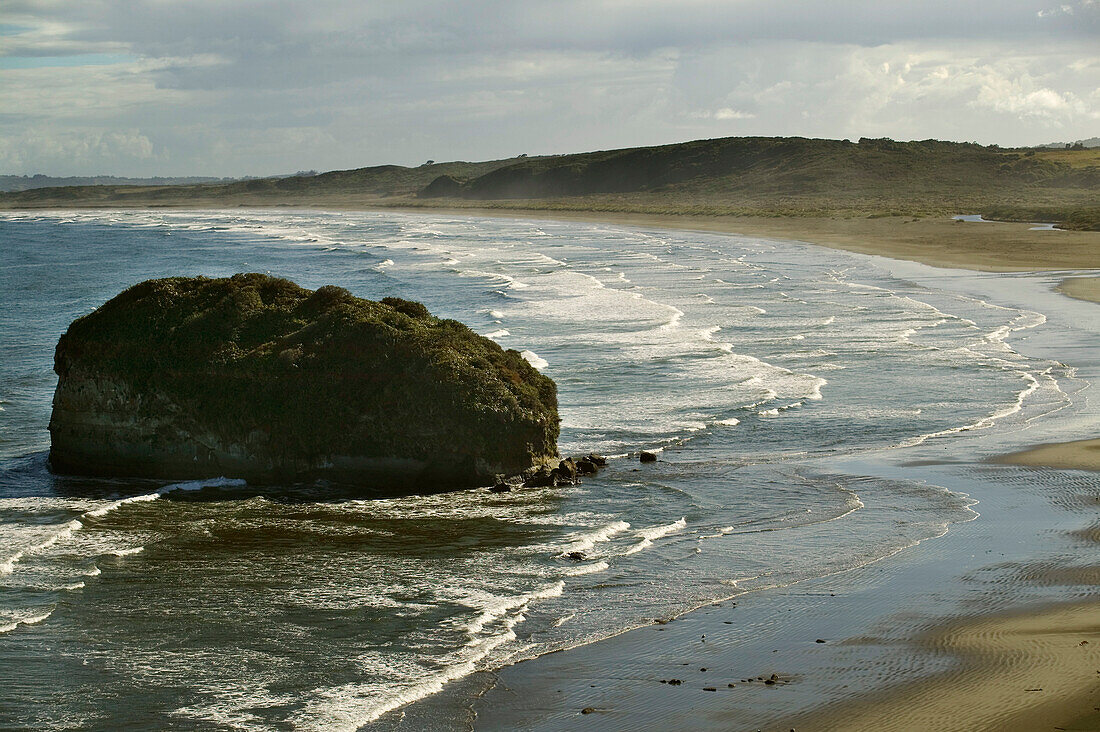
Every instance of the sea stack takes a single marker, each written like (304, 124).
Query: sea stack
(254, 377)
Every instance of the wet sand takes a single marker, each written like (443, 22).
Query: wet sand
(1082, 288)
(1030, 670)
(1076, 455)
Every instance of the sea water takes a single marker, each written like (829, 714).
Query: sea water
(757, 370)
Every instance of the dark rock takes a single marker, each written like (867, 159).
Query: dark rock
(586, 467)
(501, 487)
(709, 688)
(255, 377)
(675, 682)
(542, 477)
(587, 710)
(769, 682)
(599, 460)
(647, 457)
(566, 472)
(819, 640)
(576, 556)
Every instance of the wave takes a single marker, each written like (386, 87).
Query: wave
(585, 542)
(27, 620)
(534, 359)
(67, 529)
(653, 534)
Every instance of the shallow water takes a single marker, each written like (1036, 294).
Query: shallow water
(763, 372)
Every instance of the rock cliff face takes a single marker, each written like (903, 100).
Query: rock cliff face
(255, 377)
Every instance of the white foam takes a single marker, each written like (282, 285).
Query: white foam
(67, 529)
(653, 534)
(534, 359)
(27, 620)
(585, 542)
(497, 334)
(349, 707)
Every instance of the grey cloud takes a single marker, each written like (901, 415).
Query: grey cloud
(263, 87)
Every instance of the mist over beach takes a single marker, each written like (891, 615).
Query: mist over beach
(650, 366)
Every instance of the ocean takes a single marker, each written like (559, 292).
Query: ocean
(767, 375)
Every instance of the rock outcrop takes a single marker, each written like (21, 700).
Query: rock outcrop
(255, 377)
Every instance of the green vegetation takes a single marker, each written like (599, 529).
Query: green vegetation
(258, 360)
(737, 176)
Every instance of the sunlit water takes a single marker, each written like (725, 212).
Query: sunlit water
(751, 365)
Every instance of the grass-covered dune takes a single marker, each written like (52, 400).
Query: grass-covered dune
(734, 176)
(253, 376)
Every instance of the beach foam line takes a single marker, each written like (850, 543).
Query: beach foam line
(534, 359)
(29, 620)
(587, 541)
(347, 708)
(653, 534)
(68, 528)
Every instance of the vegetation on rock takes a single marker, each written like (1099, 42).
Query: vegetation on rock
(301, 377)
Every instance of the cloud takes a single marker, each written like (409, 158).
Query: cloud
(75, 148)
(266, 86)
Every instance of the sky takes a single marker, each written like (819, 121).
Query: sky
(262, 87)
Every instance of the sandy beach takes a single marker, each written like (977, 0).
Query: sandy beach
(985, 246)
(1029, 670)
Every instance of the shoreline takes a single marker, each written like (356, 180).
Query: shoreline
(983, 640)
(991, 651)
(988, 246)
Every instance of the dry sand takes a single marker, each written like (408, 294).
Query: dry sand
(1035, 670)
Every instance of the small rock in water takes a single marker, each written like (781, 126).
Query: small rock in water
(586, 467)
(647, 457)
(598, 460)
(587, 710)
(819, 640)
(576, 556)
(565, 473)
(709, 688)
(674, 682)
(500, 487)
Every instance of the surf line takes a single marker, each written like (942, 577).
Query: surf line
(74, 525)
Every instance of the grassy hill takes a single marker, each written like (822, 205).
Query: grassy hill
(740, 176)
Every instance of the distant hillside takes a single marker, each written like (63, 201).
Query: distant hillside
(1091, 142)
(27, 182)
(742, 176)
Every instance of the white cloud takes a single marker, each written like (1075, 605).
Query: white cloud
(727, 113)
